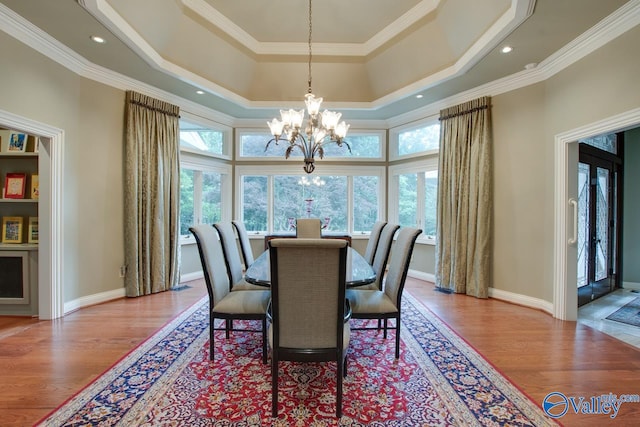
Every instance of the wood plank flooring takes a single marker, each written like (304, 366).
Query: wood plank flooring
(43, 363)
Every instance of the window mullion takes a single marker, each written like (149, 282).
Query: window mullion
(197, 196)
(420, 213)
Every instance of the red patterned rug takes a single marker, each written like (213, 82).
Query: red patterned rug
(169, 381)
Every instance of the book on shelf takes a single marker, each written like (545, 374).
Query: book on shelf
(32, 233)
(35, 187)
(12, 229)
(14, 185)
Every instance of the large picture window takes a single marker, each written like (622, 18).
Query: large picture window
(347, 202)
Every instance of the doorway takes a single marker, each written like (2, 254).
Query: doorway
(600, 186)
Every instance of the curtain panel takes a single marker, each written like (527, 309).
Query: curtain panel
(464, 230)
(152, 195)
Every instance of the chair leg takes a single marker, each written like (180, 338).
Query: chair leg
(398, 336)
(339, 377)
(274, 385)
(211, 332)
(227, 328)
(264, 340)
(385, 329)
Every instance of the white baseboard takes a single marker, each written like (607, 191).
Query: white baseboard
(420, 275)
(188, 277)
(93, 299)
(523, 300)
(506, 296)
(115, 294)
(631, 285)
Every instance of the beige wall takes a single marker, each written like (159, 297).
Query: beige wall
(91, 115)
(526, 122)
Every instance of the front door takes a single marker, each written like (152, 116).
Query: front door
(599, 175)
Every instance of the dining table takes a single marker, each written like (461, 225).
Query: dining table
(359, 271)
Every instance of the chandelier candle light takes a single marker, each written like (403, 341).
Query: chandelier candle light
(320, 129)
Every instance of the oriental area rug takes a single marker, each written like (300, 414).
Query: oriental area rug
(629, 313)
(168, 380)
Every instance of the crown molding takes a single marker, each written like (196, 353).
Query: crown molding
(217, 19)
(614, 25)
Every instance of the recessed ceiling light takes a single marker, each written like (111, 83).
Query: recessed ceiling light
(506, 49)
(200, 92)
(98, 39)
(419, 96)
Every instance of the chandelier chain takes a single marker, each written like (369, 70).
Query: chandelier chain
(321, 128)
(310, 54)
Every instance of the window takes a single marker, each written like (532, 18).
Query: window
(253, 190)
(202, 195)
(209, 139)
(417, 140)
(413, 192)
(366, 195)
(365, 145)
(200, 198)
(349, 202)
(205, 185)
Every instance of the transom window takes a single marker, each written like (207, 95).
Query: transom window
(365, 145)
(417, 140)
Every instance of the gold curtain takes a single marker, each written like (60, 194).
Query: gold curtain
(465, 198)
(152, 195)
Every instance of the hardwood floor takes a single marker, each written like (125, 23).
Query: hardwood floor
(43, 363)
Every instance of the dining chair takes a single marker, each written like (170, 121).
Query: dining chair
(232, 259)
(245, 243)
(308, 228)
(309, 312)
(386, 304)
(224, 304)
(374, 236)
(383, 248)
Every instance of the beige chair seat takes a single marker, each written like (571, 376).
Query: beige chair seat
(255, 302)
(370, 301)
(243, 285)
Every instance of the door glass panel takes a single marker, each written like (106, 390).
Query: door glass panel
(602, 223)
(583, 224)
(607, 142)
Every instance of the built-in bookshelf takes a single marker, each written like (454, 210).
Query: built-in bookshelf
(19, 197)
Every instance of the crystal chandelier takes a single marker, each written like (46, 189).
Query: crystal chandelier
(321, 128)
